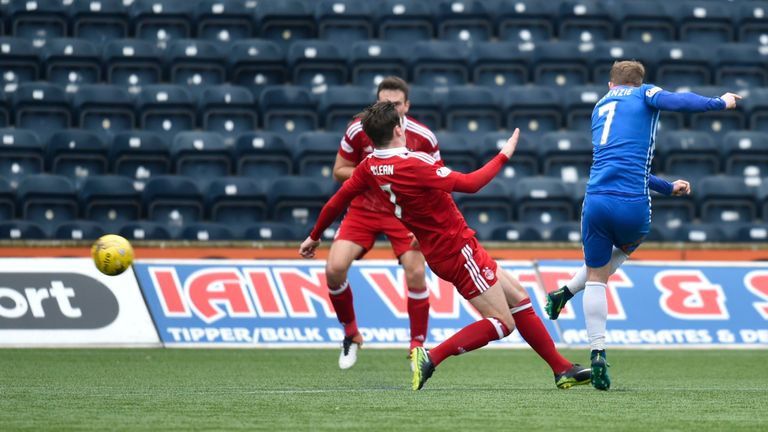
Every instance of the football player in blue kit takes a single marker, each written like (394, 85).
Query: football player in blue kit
(616, 214)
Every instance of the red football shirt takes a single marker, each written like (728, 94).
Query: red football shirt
(356, 146)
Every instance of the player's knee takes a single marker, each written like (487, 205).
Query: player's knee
(414, 276)
(335, 272)
(503, 326)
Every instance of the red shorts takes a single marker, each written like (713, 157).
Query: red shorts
(362, 227)
(471, 271)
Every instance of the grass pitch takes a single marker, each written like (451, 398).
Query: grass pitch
(181, 389)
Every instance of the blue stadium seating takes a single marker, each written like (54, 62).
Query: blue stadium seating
(224, 20)
(39, 19)
(46, 199)
(21, 230)
(162, 20)
(21, 154)
(207, 231)
(139, 155)
(672, 212)
(315, 153)
(724, 199)
(569, 232)
(109, 198)
(132, 62)
(195, 64)
(41, 107)
(339, 104)
(263, 155)
(717, 123)
(76, 154)
(165, 109)
(535, 110)
(750, 22)
(144, 230)
(543, 200)
(344, 20)
(745, 233)
(579, 101)
(515, 232)
(464, 20)
(439, 63)
(79, 230)
(99, 20)
(688, 153)
(71, 62)
(405, 21)
(424, 107)
(525, 161)
(173, 200)
(317, 64)
(297, 199)
(256, 63)
(271, 231)
(20, 62)
(5, 110)
(288, 110)
(457, 152)
(762, 198)
(371, 61)
(566, 155)
(561, 64)
(7, 200)
(499, 64)
(236, 201)
(490, 205)
(646, 22)
(526, 21)
(756, 105)
(201, 155)
(699, 233)
(585, 21)
(102, 108)
(681, 65)
(227, 110)
(746, 153)
(602, 56)
(741, 66)
(471, 110)
(705, 22)
(286, 21)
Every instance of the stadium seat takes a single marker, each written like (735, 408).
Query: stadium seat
(535, 110)
(256, 63)
(646, 22)
(526, 21)
(659, 233)
(516, 232)
(464, 20)
(756, 105)
(236, 201)
(195, 64)
(139, 155)
(132, 62)
(5, 110)
(439, 63)
(175, 201)
(585, 21)
(165, 109)
(105, 109)
(762, 197)
(543, 200)
(109, 198)
(76, 154)
(499, 64)
(724, 199)
(604, 54)
(21, 230)
(297, 199)
(7, 200)
(288, 110)
(99, 20)
(568, 232)
(406, 21)
(224, 20)
(71, 62)
(371, 61)
(162, 20)
(20, 62)
(339, 104)
(262, 155)
(689, 153)
(681, 65)
(39, 19)
(471, 110)
(699, 233)
(144, 230)
(41, 107)
(741, 66)
(317, 64)
(457, 152)
(579, 102)
(46, 199)
(273, 231)
(566, 155)
(490, 205)
(79, 230)
(746, 153)
(286, 21)
(201, 155)
(705, 22)
(227, 110)
(745, 233)
(315, 153)
(344, 20)
(21, 154)
(717, 123)
(424, 107)
(672, 212)
(207, 231)
(525, 162)
(561, 64)
(751, 23)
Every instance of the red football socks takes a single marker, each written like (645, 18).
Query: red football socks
(418, 315)
(533, 331)
(471, 337)
(341, 298)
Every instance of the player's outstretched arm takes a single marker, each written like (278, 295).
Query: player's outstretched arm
(474, 181)
(676, 188)
(689, 102)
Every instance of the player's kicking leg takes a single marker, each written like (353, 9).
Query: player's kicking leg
(340, 258)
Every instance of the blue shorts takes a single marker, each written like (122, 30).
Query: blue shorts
(610, 220)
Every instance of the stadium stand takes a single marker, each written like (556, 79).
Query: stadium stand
(172, 105)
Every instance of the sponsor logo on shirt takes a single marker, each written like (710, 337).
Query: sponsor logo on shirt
(488, 273)
(652, 91)
(443, 171)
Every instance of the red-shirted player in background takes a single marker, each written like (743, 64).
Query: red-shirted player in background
(367, 218)
(417, 190)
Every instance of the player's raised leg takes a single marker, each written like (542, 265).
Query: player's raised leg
(340, 258)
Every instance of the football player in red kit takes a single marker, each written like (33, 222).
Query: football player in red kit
(366, 219)
(417, 190)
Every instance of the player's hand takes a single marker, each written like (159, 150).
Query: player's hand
(509, 147)
(308, 248)
(681, 188)
(730, 100)
(414, 241)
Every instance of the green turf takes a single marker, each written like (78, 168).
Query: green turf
(166, 389)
